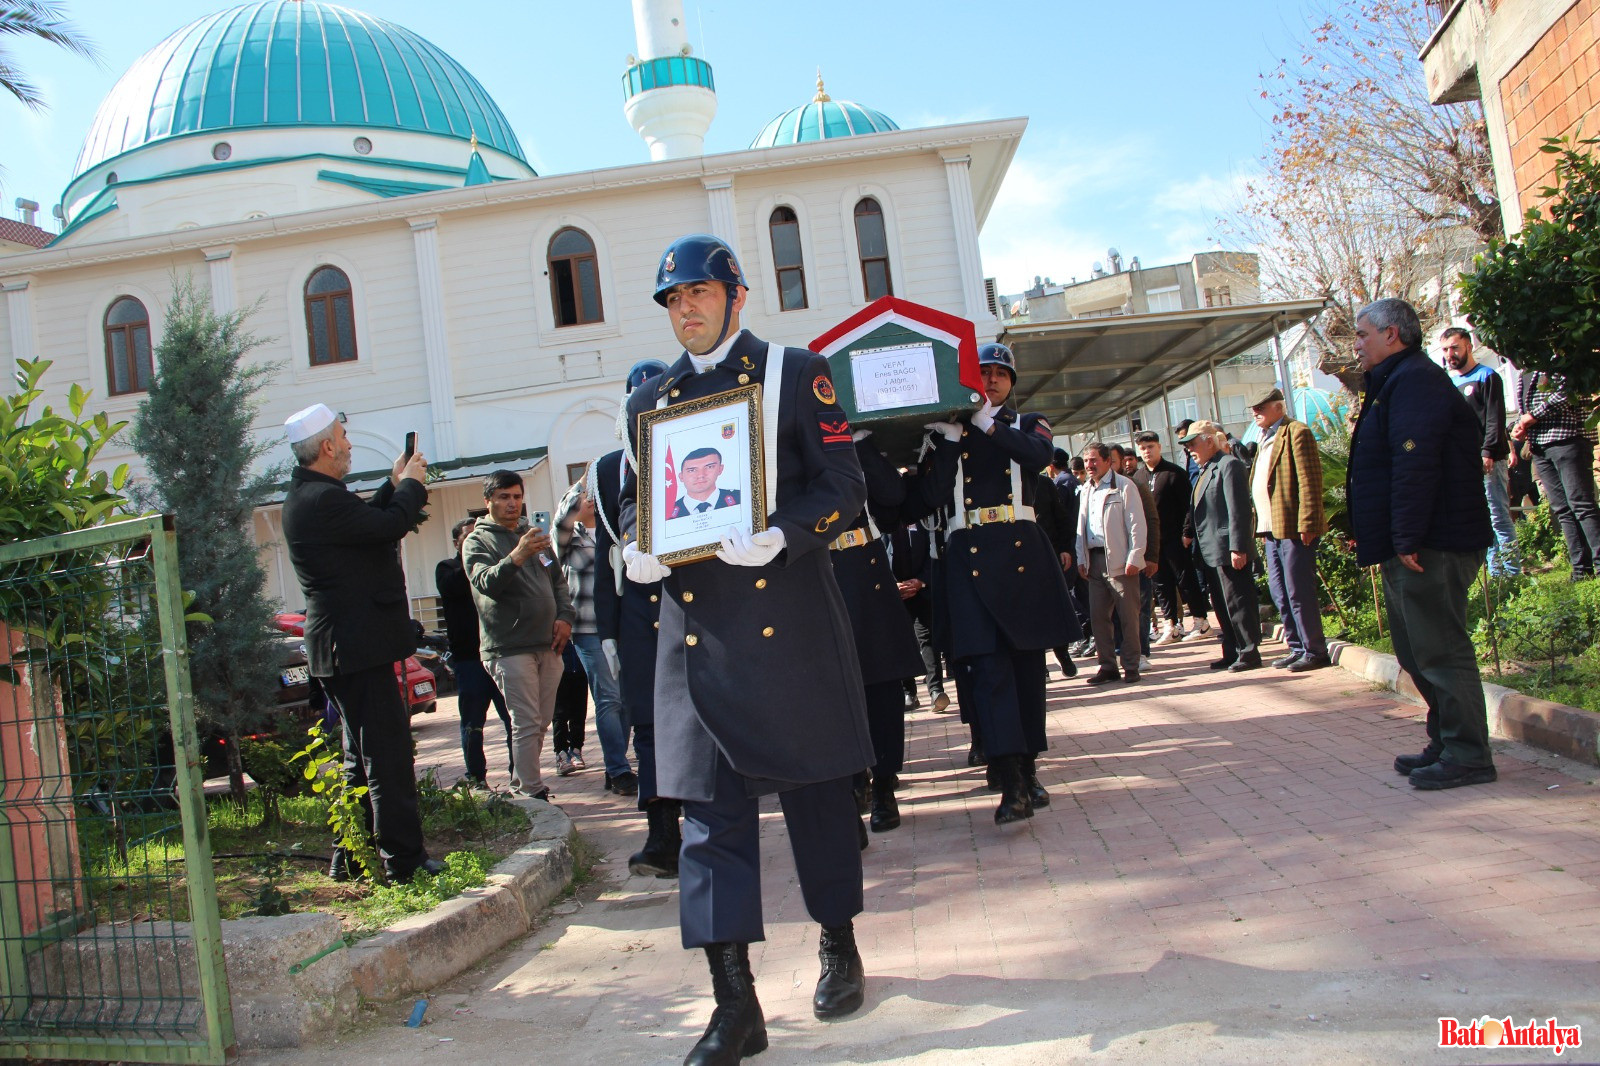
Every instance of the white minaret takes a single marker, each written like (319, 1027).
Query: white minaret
(671, 97)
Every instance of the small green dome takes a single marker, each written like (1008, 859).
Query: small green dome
(824, 118)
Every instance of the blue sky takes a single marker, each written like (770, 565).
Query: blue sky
(1143, 117)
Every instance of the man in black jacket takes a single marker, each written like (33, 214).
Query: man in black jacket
(345, 551)
(1485, 393)
(1415, 489)
(1170, 486)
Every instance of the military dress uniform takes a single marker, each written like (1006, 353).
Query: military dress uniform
(886, 642)
(758, 688)
(1002, 593)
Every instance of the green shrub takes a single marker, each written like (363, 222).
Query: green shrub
(1539, 540)
(1545, 621)
(270, 764)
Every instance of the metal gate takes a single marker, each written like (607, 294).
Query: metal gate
(110, 945)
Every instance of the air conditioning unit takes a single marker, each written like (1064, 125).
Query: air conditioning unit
(991, 295)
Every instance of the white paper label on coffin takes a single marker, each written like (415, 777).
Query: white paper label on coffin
(901, 375)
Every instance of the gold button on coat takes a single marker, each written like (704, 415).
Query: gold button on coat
(767, 632)
(691, 640)
(654, 597)
(973, 549)
(974, 573)
(673, 394)
(761, 582)
(744, 379)
(656, 624)
(688, 597)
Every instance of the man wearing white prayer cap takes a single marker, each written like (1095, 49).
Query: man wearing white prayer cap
(358, 625)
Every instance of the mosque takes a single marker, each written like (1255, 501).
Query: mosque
(358, 188)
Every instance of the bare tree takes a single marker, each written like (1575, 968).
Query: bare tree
(41, 20)
(1368, 189)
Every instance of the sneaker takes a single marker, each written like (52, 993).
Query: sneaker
(1443, 774)
(1144, 662)
(1169, 635)
(563, 763)
(577, 759)
(1201, 629)
(1404, 764)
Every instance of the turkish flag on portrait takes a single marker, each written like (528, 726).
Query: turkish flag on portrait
(670, 497)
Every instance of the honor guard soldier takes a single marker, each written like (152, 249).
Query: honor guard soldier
(626, 620)
(1004, 594)
(886, 642)
(758, 691)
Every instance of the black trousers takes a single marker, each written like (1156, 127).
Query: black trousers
(1566, 470)
(572, 705)
(1008, 691)
(886, 723)
(1233, 597)
(377, 754)
(719, 868)
(920, 608)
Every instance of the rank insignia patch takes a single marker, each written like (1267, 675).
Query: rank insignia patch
(835, 432)
(1042, 428)
(823, 388)
(1410, 446)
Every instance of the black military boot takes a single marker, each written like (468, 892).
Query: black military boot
(1030, 776)
(885, 809)
(1014, 802)
(659, 856)
(991, 773)
(975, 756)
(861, 786)
(737, 1027)
(843, 985)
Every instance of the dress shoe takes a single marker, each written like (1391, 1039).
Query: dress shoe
(1404, 764)
(842, 986)
(912, 702)
(941, 704)
(1101, 677)
(1069, 669)
(432, 867)
(737, 1026)
(1130, 677)
(341, 868)
(1248, 662)
(975, 755)
(1445, 774)
(1285, 661)
(1223, 663)
(624, 784)
(1310, 662)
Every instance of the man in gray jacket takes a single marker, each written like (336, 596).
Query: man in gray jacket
(525, 617)
(1223, 525)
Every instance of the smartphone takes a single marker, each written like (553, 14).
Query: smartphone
(541, 522)
(411, 445)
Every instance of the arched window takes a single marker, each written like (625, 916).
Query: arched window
(786, 258)
(873, 243)
(574, 278)
(330, 317)
(127, 331)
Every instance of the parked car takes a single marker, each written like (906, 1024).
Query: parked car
(417, 685)
(299, 704)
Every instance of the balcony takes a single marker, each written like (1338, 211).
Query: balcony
(1450, 58)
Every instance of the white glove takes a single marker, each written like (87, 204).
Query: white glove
(608, 648)
(985, 417)
(642, 569)
(951, 431)
(745, 549)
(860, 435)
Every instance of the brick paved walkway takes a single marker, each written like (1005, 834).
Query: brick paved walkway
(1229, 870)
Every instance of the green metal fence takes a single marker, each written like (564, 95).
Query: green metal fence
(110, 945)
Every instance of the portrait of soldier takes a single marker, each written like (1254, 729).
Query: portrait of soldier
(698, 474)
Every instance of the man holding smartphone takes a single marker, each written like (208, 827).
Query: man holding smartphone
(525, 617)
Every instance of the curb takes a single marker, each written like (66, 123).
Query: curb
(425, 950)
(1553, 727)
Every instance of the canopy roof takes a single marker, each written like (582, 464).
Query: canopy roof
(1089, 371)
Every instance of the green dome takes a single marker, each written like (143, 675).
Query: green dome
(824, 118)
(292, 63)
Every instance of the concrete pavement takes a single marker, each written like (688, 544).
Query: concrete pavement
(1229, 871)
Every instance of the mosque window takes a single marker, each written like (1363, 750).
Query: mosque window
(127, 331)
(330, 317)
(786, 257)
(873, 243)
(574, 278)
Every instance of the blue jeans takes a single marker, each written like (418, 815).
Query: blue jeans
(475, 690)
(1503, 558)
(1292, 582)
(610, 719)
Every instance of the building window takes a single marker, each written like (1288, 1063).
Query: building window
(127, 330)
(1234, 410)
(330, 317)
(786, 258)
(1224, 296)
(574, 278)
(1168, 299)
(873, 243)
(1211, 298)
(1178, 410)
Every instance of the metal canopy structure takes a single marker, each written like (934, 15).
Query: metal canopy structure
(1086, 372)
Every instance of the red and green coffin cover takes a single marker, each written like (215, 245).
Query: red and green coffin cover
(897, 365)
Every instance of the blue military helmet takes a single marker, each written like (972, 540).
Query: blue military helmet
(642, 371)
(998, 355)
(697, 257)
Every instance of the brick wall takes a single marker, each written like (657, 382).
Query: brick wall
(1550, 90)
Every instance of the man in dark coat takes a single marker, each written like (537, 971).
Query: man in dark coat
(1415, 489)
(626, 617)
(1004, 595)
(346, 553)
(1170, 487)
(1222, 527)
(910, 551)
(758, 690)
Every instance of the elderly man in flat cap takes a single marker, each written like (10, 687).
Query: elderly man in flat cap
(345, 551)
(1286, 488)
